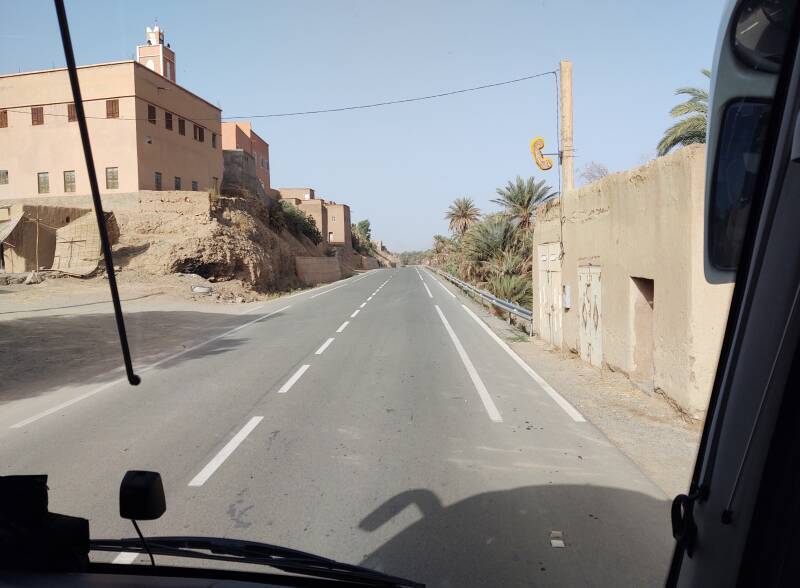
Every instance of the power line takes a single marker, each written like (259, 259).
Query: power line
(402, 100)
(341, 108)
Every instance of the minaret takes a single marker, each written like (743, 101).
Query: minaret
(156, 55)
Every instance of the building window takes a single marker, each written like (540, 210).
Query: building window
(72, 115)
(177, 183)
(199, 133)
(158, 180)
(168, 120)
(69, 181)
(112, 108)
(333, 219)
(151, 114)
(3, 119)
(3, 176)
(43, 180)
(213, 140)
(112, 178)
(181, 126)
(37, 115)
(194, 185)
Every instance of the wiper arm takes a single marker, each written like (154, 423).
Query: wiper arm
(253, 552)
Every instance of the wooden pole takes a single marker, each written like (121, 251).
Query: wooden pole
(37, 239)
(565, 114)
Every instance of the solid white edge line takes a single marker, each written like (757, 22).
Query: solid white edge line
(125, 557)
(224, 453)
(141, 370)
(428, 290)
(488, 403)
(573, 412)
(438, 281)
(324, 346)
(343, 326)
(331, 290)
(293, 380)
(355, 313)
(325, 286)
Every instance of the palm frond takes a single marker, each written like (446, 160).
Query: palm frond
(693, 127)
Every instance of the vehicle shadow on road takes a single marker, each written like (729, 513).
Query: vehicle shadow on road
(613, 538)
(43, 353)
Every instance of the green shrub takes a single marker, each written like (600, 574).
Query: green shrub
(516, 289)
(276, 218)
(299, 223)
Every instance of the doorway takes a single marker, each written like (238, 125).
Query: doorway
(590, 318)
(550, 293)
(643, 298)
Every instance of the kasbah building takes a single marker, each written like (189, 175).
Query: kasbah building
(148, 133)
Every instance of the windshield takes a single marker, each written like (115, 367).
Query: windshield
(415, 286)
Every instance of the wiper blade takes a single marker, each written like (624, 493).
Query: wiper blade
(253, 552)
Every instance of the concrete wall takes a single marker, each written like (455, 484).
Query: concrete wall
(318, 270)
(646, 223)
(240, 174)
(136, 147)
(369, 262)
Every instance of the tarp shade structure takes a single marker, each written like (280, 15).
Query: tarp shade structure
(7, 227)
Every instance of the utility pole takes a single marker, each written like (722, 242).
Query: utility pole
(566, 151)
(37, 238)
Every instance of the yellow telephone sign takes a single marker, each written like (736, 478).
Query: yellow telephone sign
(543, 162)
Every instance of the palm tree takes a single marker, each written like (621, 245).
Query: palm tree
(462, 214)
(483, 241)
(520, 198)
(692, 127)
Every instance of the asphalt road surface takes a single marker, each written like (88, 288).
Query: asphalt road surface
(375, 420)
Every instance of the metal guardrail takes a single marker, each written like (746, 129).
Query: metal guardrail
(509, 307)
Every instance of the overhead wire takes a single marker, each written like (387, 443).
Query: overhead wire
(335, 109)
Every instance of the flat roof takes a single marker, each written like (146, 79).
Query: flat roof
(107, 64)
(249, 123)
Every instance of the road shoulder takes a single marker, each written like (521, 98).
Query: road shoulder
(644, 427)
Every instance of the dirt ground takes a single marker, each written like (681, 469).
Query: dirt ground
(57, 291)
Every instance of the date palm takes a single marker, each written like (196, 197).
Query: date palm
(520, 198)
(462, 214)
(693, 125)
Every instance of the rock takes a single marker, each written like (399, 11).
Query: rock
(239, 300)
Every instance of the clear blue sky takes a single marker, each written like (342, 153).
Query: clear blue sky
(401, 166)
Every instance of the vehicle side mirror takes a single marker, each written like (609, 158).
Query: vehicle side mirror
(141, 496)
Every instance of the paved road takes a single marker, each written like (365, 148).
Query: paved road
(374, 421)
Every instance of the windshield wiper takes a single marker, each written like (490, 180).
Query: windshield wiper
(251, 552)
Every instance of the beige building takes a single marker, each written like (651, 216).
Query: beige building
(240, 135)
(147, 132)
(332, 219)
(339, 229)
(622, 283)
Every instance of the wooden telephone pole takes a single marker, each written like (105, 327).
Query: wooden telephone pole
(565, 119)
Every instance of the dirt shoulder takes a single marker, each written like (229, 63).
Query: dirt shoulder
(661, 441)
